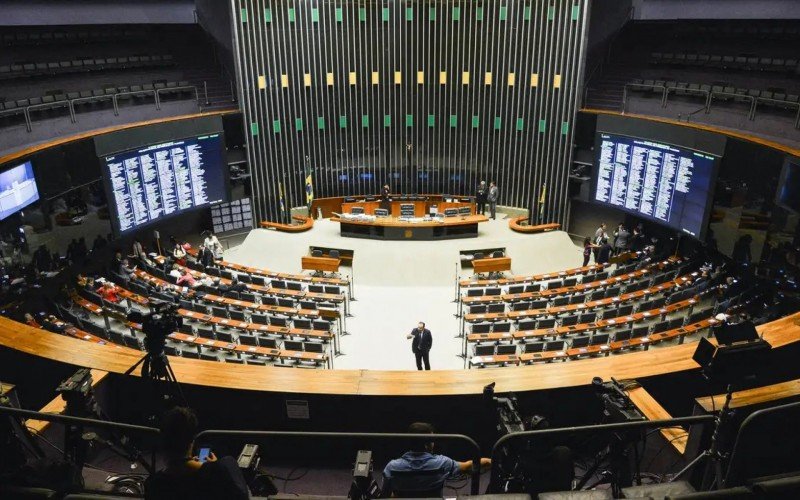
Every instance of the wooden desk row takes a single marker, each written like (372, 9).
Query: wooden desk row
(286, 311)
(582, 327)
(582, 307)
(239, 349)
(273, 274)
(522, 279)
(605, 349)
(516, 280)
(267, 290)
(491, 265)
(554, 292)
(217, 344)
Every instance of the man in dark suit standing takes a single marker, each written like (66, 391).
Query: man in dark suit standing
(386, 201)
(421, 345)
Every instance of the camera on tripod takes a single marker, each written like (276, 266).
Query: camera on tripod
(158, 324)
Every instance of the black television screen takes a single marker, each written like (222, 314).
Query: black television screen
(660, 182)
(17, 189)
(162, 180)
(788, 194)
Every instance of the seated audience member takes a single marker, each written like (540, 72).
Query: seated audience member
(109, 292)
(178, 253)
(31, 321)
(185, 476)
(421, 473)
(186, 279)
(126, 270)
(175, 272)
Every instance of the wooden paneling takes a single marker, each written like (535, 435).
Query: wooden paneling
(375, 382)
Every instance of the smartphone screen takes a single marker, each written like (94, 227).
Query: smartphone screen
(203, 455)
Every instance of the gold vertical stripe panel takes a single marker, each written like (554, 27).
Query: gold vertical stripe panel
(285, 80)
(421, 77)
(443, 78)
(512, 78)
(352, 78)
(307, 79)
(487, 79)
(329, 79)
(376, 78)
(398, 77)
(465, 78)
(534, 79)
(262, 82)
(557, 81)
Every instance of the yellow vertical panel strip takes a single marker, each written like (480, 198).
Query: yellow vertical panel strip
(262, 82)
(307, 79)
(487, 79)
(512, 79)
(376, 79)
(534, 79)
(465, 78)
(329, 79)
(352, 78)
(421, 77)
(443, 78)
(398, 77)
(284, 80)
(556, 81)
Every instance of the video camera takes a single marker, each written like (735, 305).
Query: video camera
(158, 324)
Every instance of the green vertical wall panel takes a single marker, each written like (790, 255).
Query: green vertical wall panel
(365, 121)
(542, 125)
(243, 14)
(526, 13)
(475, 121)
(362, 14)
(564, 128)
(479, 13)
(298, 124)
(291, 14)
(409, 13)
(385, 14)
(431, 13)
(498, 123)
(338, 13)
(387, 120)
(576, 12)
(342, 121)
(431, 120)
(276, 126)
(409, 120)
(503, 12)
(321, 123)
(520, 123)
(314, 15)
(267, 15)
(456, 14)
(254, 128)
(453, 121)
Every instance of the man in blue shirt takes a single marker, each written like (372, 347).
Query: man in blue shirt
(421, 473)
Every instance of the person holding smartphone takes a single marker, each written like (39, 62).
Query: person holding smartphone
(189, 476)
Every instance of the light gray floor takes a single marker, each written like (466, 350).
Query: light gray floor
(398, 283)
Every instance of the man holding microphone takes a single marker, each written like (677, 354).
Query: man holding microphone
(421, 345)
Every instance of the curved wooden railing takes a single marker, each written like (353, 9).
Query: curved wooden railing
(520, 225)
(305, 223)
(632, 365)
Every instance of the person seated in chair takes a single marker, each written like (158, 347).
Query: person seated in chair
(185, 476)
(419, 473)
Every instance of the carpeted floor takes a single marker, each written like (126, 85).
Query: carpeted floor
(398, 283)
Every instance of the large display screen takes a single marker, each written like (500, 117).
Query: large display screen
(166, 179)
(661, 182)
(17, 189)
(788, 193)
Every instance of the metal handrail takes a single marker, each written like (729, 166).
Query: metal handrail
(706, 93)
(133, 93)
(640, 85)
(598, 428)
(174, 89)
(779, 101)
(476, 458)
